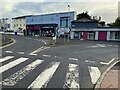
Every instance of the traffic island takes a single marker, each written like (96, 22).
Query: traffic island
(6, 41)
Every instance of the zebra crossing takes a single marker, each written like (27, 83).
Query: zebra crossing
(41, 81)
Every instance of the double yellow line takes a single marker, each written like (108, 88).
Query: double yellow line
(14, 41)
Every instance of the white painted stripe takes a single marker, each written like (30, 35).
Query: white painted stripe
(90, 61)
(109, 45)
(91, 46)
(21, 53)
(72, 77)
(20, 74)
(94, 46)
(39, 49)
(73, 59)
(36, 50)
(42, 80)
(55, 56)
(108, 62)
(12, 64)
(94, 73)
(6, 58)
(32, 54)
(8, 51)
(101, 45)
(46, 55)
(44, 42)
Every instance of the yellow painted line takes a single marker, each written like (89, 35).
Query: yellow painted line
(14, 41)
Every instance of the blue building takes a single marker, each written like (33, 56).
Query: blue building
(49, 24)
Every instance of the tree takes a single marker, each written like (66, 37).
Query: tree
(102, 23)
(84, 15)
(117, 22)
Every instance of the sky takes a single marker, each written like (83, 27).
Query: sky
(107, 9)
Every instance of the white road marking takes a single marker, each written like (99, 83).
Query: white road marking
(108, 62)
(97, 45)
(42, 80)
(73, 59)
(44, 42)
(90, 61)
(101, 45)
(72, 77)
(92, 46)
(33, 54)
(6, 58)
(55, 56)
(85, 51)
(12, 64)
(20, 74)
(39, 40)
(38, 50)
(21, 53)
(94, 73)
(9, 51)
(109, 45)
(46, 55)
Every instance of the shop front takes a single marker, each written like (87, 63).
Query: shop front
(41, 30)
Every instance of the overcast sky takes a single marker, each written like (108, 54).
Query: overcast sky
(107, 9)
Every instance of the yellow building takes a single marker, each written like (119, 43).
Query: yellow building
(19, 23)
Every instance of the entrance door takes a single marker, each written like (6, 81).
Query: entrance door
(102, 35)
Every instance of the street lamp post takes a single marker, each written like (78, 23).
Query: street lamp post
(68, 22)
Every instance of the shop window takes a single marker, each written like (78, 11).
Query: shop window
(91, 35)
(64, 22)
(117, 35)
(76, 34)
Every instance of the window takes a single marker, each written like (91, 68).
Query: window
(115, 35)
(51, 18)
(64, 22)
(91, 35)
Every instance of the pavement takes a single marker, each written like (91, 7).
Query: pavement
(112, 79)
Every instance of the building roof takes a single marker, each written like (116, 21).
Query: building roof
(22, 16)
(54, 13)
(42, 15)
(84, 21)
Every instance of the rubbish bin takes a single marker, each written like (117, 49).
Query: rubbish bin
(15, 33)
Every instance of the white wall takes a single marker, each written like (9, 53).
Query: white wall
(19, 21)
(108, 35)
(71, 35)
(96, 35)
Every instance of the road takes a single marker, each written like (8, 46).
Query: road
(30, 64)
